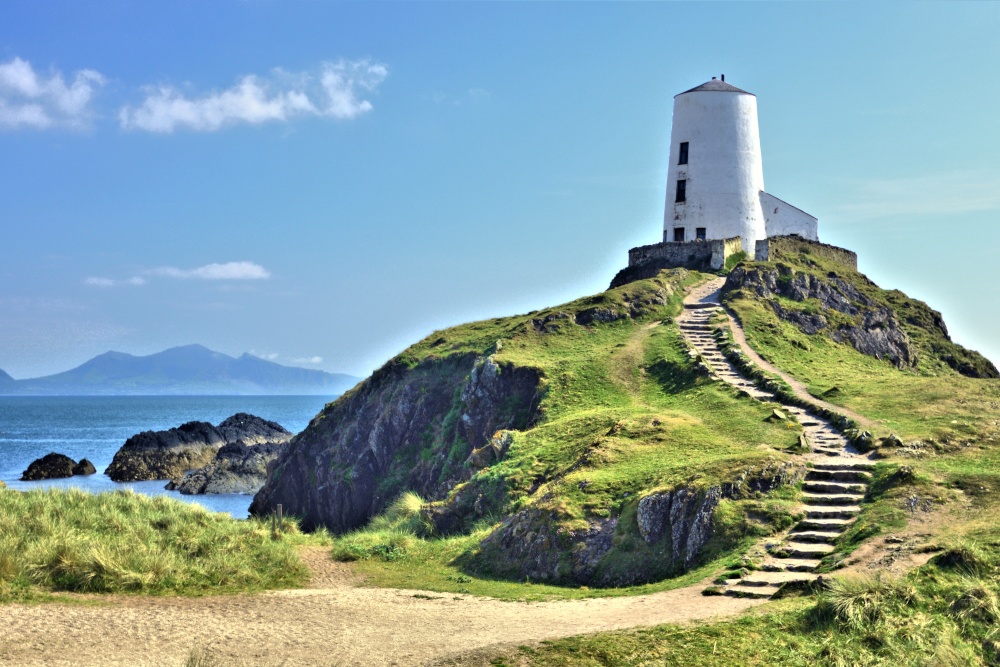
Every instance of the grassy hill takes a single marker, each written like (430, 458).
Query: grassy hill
(930, 524)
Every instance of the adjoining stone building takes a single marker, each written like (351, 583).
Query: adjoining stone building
(716, 205)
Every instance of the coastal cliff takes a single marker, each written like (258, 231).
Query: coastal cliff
(405, 428)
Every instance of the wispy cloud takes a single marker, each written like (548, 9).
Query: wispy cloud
(934, 194)
(227, 271)
(335, 90)
(307, 360)
(33, 100)
(96, 281)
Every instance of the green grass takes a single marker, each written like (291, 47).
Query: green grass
(55, 541)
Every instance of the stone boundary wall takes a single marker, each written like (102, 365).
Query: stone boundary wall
(647, 261)
(774, 248)
(710, 254)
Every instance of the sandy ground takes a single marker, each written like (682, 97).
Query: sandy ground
(334, 622)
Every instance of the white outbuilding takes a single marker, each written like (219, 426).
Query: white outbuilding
(715, 183)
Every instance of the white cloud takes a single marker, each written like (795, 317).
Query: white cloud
(28, 99)
(95, 281)
(334, 91)
(307, 360)
(99, 282)
(227, 271)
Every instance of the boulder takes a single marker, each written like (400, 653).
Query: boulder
(237, 468)
(169, 454)
(50, 466)
(84, 467)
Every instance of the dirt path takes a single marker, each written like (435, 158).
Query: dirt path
(334, 623)
(709, 292)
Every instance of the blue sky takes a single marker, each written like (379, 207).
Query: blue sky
(324, 183)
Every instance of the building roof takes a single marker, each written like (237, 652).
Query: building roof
(716, 86)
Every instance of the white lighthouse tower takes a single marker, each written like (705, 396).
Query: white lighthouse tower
(715, 183)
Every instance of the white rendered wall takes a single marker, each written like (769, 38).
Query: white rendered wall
(724, 173)
(783, 219)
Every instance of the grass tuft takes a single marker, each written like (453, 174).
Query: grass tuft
(123, 542)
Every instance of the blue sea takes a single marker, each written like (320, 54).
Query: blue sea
(94, 427)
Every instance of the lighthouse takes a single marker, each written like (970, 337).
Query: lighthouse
(715, 182)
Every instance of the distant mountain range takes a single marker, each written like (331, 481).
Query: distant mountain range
(191, 370)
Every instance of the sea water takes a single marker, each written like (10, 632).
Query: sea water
(94, 427)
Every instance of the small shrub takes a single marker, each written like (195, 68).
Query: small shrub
(977, 603)
(967, 558)
(860, 603)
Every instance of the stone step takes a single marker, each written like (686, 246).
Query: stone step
(749, 592)
(815, 536)
(775, 579)
(793, 549)
(790, 564)
(847, 464)
(843, 475)
(832, 512)
(833, 487)
(832, 499)
(703, 305)
(824, 524)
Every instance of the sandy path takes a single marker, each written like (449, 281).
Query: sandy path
(338, 624)
(710, 291)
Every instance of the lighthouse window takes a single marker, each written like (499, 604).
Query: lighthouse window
(699, 233)
(684, 153)
(678, 235)
(681, 191)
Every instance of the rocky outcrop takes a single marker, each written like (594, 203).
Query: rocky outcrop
(877, 332)
(56, 466)
(237, 468)
(404, 428)
(684, 515)
(533, 544)
(879, 335)
(50, 466)
(884, 330)
(169, 454)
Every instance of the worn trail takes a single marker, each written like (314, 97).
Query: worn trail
(838, 477)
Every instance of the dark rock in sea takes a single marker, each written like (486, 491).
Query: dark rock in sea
(84, 467)
(238, 468)
(171, 453)
(50, 466)
(252, 430)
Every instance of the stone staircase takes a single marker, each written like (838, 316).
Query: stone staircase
(833, 488)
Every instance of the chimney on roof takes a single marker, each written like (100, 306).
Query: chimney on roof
(723, 77)
(713, 78)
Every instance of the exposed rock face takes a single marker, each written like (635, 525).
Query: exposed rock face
(685, 515)
(169, 454)
(872, 328)
(50, 466)
(540, 549)
(237, 468)
(403, 428)
(879, 336)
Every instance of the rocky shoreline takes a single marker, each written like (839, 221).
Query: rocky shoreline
(170, 454)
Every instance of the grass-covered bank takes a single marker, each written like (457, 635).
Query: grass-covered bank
(70, 541)
(944, 614)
